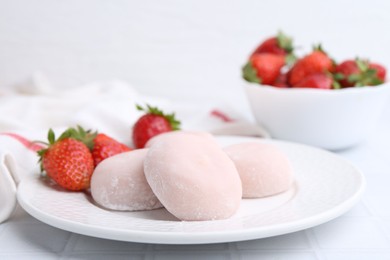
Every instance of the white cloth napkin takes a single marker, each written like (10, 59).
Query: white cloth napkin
(31, 108)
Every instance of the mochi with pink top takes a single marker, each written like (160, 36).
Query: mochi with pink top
(264, 169)
(186, 132)
(119, 183)
(193, 177)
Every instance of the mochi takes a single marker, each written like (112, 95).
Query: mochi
(119, 183)
(168, 134)
(193, 177)
(264, 169)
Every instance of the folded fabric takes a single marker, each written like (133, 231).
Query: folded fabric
(30, 109)
(16, 160)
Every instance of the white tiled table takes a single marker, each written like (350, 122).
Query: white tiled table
(361, 233)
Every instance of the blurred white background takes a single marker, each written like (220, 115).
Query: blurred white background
(187, 50)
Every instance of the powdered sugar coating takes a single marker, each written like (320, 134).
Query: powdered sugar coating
(264, 170)
(192, 177)
(119, 183)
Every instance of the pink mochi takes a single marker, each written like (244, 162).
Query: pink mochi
(264, 169)
(119, 183)
(159, 137)
(193, 177)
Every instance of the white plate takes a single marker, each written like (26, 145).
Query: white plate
(325, 187)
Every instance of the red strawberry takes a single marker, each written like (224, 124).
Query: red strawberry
(281, 81)
(380, 70)
(154, 122)
(344, 70)
(105, 146)
(320, 81)
(67, 161)
(316, 62)
(280, 45)
(263, 68)
(359, 73)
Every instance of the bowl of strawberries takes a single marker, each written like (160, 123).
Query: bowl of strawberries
(314, 99)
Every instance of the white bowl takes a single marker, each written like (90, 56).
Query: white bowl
(330, 119)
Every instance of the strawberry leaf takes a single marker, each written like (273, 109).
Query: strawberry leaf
(85, 136)
(51, 136)
(290, 59)
(81, 131)
(371, 72)
(66, 134)
(362, 64)
(353, 78)
(338, 76)
(285, 42)
(81, 135)
(250, 74)
(366, 77)
(175, 124)
(336, 85)
(376, 81)
(139, 108)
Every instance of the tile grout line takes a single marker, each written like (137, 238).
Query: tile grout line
(376, 220)
(149, 252)
(316, 249)
(233, 251)
(69, 246)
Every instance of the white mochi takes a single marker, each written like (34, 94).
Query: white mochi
(264, 169)
(160, 137)
(119, 183)
(193, 177)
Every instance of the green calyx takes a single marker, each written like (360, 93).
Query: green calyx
(290, 59)
(366, 76)
(51, 138)
(335, 77)
(338, 76)
(285, 42)
(319, 48)
(250, 74)
(336, 85)
(175, 124)
(78, 134)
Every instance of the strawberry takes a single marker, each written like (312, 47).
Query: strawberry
(105, 146)
(380, 71)
(281, 81)
(101, 145)
(263, 68)
(315, 62)
(67, 161)
(359, 73)
(152, 123)
(344, 70)
(280, 44)
(317, 80)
